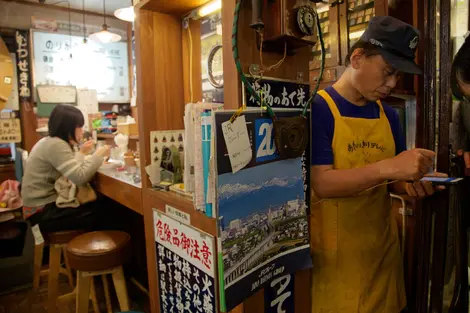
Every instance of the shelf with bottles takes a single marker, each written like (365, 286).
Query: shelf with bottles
(323, 13)
(359, 14)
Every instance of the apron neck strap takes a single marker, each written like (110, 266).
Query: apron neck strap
(334, 108)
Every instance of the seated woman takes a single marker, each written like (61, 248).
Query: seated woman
(51, 158)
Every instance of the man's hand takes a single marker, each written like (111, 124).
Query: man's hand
(410, 165)
(422, 189)
(466, 158)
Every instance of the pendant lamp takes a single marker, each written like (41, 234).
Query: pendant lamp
(105, 36)
(126, 14)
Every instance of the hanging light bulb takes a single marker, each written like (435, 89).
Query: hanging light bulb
(125, 14)
(104, 35)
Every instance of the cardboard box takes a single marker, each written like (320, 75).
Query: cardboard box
(128, 129)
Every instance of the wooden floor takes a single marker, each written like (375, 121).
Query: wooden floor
(26, 302)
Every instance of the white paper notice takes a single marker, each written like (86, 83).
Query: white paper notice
(238, 143)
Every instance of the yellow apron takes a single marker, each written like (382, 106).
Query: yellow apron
(355, 245)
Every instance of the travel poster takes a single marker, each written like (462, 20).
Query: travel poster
(262, 212)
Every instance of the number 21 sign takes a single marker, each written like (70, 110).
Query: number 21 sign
(264, 139)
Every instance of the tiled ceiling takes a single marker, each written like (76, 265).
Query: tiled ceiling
(91, 5)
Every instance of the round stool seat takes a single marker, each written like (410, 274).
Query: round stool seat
(61, 237)
(99, 250)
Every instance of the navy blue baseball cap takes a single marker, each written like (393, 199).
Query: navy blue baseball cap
(397, 42)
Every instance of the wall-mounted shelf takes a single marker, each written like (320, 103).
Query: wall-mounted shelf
(111, 136)
(173, 7)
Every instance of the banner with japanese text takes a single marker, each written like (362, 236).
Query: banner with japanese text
(23, 66)
(278, 93)
(262, 211)
(185, 266)
(279, 295)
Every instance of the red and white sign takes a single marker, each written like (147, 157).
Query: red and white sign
(193, 245)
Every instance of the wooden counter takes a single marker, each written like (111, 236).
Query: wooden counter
(127, 194)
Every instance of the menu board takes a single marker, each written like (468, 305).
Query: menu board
(64, 60)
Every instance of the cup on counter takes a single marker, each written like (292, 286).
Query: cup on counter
(129, 161)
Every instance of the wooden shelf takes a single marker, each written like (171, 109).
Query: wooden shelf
(111, 136)
(173, 7)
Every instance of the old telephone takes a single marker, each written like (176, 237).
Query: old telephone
(283, 25)
(284, 22)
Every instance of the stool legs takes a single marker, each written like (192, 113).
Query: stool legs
(67, 267)
(53, 284)
(83, 292)
(94, 300)
(38, 254)
(106, 294)
(121, 289)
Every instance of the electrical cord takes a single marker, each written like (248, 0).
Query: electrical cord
(190, 64)
(403, 221)
(265, 69)
(245, 80)
(368, 189)
(322, 66)
(70, 21)
(238, 65)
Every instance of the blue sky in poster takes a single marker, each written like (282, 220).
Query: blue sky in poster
(256, 189)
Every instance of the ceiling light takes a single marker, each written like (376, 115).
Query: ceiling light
(125, 14)
(210, 8)
(105, 36)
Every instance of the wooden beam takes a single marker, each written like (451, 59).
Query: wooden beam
(58, 8)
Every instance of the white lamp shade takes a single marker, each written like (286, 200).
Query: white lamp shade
(105, 36)
(125, 14)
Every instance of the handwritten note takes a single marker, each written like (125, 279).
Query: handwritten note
(238, 143)
(38, 238)
(10, 130)
(57, 94)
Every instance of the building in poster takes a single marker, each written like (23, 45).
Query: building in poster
(262, 212)
(186, 267)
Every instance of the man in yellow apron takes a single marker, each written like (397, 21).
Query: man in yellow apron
(358, 149)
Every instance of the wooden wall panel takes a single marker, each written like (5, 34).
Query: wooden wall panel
(232, 85)
(160, 77)
(168, 75)
(194, 71)
(146, 85)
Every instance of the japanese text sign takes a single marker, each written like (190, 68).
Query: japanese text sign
(185, 263)
(190, 244)
(10, 130)
(22, 56)
(278, 93)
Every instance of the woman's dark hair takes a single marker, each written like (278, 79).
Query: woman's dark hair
(461, 69)
(368, 48)
(63, 121)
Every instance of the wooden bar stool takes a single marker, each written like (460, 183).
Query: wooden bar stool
(57, 242)
(98, 254)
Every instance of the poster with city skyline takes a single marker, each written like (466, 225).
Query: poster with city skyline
(262, 213)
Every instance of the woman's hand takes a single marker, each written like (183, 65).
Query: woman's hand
(103, 151)
(422, 189)
(87, 147)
